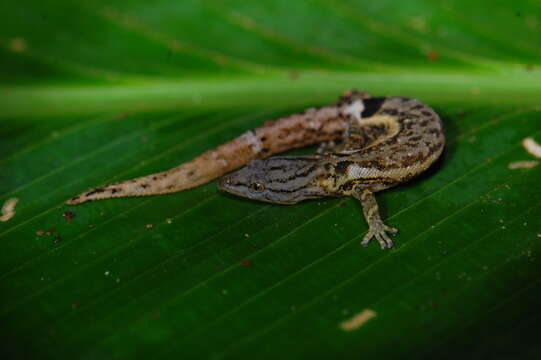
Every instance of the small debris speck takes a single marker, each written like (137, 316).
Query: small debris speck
(68, 215)
(522, 164)
(357, 320)
(539, 235)
(40, 233)
(432, 56)
(246, 235)
(117, 280)
(246, 263)
(51, 231)
(106, 273)
(75, 305)
(18, 45)
(149, 226)
(294, 74)
(8, 209)
(532, 147)
(169, 221)
(57, 239)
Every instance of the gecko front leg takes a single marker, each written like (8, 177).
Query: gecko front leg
(376, 227)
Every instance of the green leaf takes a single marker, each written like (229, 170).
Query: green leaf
(94, 92)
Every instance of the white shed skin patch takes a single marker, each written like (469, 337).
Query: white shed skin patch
(532, 147)
(357, 320)
(253, 141)
(355, 109)
(355, 171)
(8, 209)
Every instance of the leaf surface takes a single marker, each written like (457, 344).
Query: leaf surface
(94, 92)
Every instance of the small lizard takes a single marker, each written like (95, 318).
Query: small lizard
(385, 141)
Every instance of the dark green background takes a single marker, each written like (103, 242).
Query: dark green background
(93, 92)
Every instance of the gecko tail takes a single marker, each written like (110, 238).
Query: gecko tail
(180, 178)
(198, 171)
(297, 130)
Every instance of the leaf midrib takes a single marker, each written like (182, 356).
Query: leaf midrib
(510, 84)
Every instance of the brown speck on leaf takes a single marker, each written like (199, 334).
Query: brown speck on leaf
(529, 67)
(432, 56)
(68, 215)
(51, 231)
(294, 74)
(57, 239)
(18, 45)
(246, 263)
(155, 314)
(40, 233)
(75, 305)
(149, 226)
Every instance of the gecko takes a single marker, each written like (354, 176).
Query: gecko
(367, 144)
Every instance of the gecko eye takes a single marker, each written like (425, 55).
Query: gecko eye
(257, 187)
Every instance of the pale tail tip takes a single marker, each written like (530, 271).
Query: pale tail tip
(74, 201)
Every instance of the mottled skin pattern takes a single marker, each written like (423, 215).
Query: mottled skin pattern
(388, 142)
(385, 141)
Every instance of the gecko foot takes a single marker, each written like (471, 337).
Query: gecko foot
(379, 230)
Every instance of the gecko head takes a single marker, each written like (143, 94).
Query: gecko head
(280, 180)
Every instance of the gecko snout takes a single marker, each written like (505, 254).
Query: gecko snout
(228, 182)
(225, 181)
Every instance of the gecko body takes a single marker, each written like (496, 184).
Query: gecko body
(384, 141)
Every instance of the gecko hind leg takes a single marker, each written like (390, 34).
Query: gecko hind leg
(376, 227)
(328, 147)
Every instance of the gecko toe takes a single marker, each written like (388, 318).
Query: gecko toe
(390, 229)
(367, 238)
(381, 240)
(379, 232)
